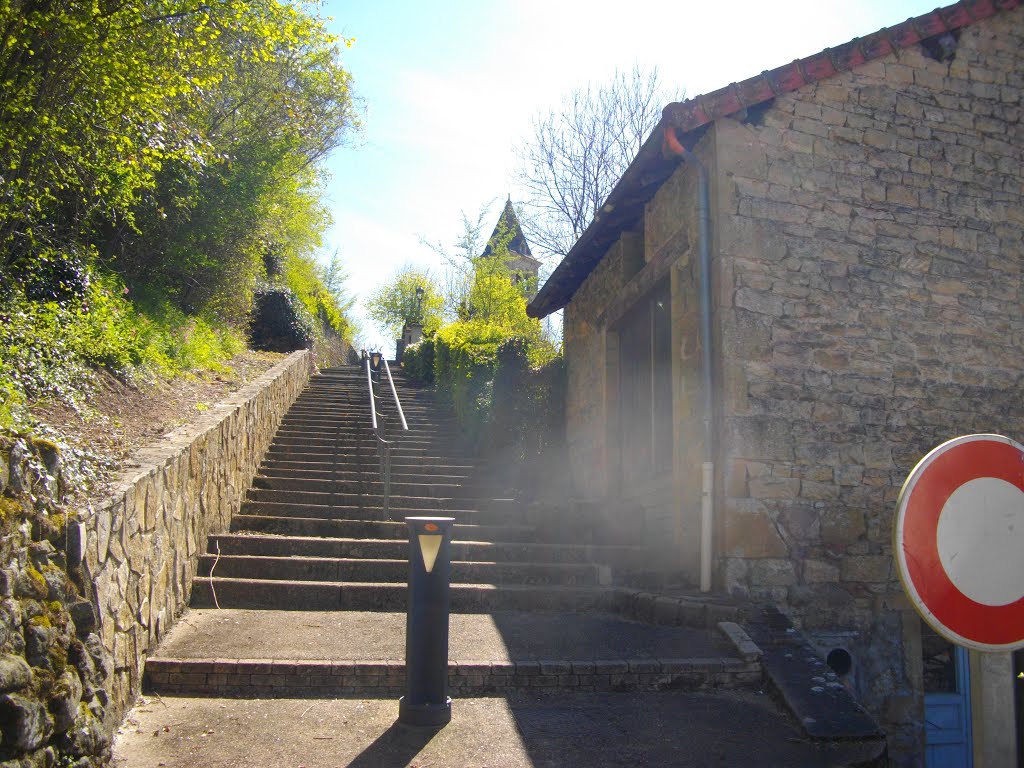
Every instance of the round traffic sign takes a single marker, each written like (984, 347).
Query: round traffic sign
(959, 541)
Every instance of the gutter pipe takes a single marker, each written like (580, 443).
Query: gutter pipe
(675, 147)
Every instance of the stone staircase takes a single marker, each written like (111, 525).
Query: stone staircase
(312, 533)
(306, 595)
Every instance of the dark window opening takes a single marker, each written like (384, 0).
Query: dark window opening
(645, 387)
(939, 657)
(941, 47)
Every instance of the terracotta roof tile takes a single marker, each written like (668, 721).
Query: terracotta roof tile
(691, 114)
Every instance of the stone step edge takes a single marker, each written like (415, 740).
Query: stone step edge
(591, 549)
(313, 678)
(674, 611)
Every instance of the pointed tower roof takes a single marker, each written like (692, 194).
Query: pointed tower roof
(509, 223)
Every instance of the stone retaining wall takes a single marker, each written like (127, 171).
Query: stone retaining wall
(143, 544)
(84, 598)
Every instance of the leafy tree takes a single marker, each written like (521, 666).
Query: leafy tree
(91, 106)
(475, 284)
(178, 140)
(176, 143)
(286, 103)
(578, 152)
(460, 259)
(397, 302)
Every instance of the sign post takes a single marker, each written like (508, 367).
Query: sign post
(426, 701)
(959, 541)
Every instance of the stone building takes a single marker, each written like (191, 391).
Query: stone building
(758, 359)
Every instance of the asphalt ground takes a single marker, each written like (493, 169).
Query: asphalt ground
(728, 728)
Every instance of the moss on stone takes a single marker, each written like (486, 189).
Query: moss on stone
(42, 445)
(58, 657)
(39, 586)
(10, 508)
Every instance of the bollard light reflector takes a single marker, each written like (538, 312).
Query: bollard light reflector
(430, 545)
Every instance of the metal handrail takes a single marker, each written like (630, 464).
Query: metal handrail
(383, 446)
(369, 386)
(394, 394)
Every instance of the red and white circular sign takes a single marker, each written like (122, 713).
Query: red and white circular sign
(960, 541)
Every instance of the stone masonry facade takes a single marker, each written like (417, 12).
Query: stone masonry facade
(868, 280)
(870, 288)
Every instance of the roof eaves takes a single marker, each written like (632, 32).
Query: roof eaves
(588, 250)
(700, 111)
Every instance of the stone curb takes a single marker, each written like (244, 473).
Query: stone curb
(372, 679)
(672, 611)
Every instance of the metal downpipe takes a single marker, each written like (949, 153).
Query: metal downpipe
(676, 147)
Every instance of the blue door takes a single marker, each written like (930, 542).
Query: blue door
(947, 707)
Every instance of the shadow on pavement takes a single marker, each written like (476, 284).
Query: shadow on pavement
(398, 745)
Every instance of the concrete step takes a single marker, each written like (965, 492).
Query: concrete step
(373, 596)
(300, 472)
(312, 653)
(369, 484)
(352, 430)
(372, 529)
(398, 549)
(401, 454)
(370, 509)
(297, 568)
(315, 404)
(351, 463)
(347, 444)
(295, 497)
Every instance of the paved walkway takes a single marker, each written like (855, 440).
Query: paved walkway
(593, 730)
(495, 637)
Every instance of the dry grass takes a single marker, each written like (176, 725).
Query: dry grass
(120, 418)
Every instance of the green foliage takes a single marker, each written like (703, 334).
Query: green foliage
(307, 281)
(396, 302)
(418, 360)
(177, 141)
(527, 409)
(490, 306)
(169, 146)
(47, 349)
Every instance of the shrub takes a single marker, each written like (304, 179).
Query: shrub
(418, 360)
(279, 322)
(53, 275)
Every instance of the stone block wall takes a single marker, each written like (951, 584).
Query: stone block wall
(586, 377)
(869, 237)
(142, 545)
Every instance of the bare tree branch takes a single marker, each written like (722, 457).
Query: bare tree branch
(578, 152)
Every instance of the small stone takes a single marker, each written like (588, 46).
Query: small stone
(24, 723)
(40, 552)
(84, 615)
(99, 655)
(15, 673)
(76, 542)
(38, 640)
(86, 736)
(64, 700)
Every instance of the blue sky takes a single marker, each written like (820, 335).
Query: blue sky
(451, 86)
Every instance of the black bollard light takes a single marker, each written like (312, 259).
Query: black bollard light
(426, 699)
